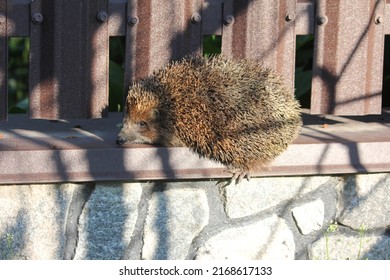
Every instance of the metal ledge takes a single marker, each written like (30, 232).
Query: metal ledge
(39, 151)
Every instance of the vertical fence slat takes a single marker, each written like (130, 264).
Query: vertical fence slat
(3, 60)
(386, 18)
(68, 59)
(262, 30)
(348, 57)
(212, 17)
(117, 11)
(18, 13)
(98, 55)
(304, 23)
(158, 32)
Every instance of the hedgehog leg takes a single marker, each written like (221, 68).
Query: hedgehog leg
(238, 175)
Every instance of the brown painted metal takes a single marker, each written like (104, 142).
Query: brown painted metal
(262, 30)
(68, 59)
(304, 21)
(212, 17)
(3, 60)
(18, 18)
(117, 20)
(348, 57)
(36, 151)
(158, 32)
(386, 20)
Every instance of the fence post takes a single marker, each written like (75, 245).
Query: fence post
(348, 57)
(263, 30)
(69, 59)
(158, 32)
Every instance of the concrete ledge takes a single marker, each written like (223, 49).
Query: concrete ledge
(37, 151)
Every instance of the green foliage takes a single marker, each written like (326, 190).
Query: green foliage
(303, 66)
(116, 72)
(19, 49)
(386, 74)
(211, 45)
(7, 247)
(362, 231)
(333, 227)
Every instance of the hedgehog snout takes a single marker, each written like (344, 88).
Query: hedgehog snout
(120, 140)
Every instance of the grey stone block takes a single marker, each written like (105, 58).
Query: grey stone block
(366, 201)
(267, 239)
(175, 217)
(309, 217)
(107, 221)
(342, 247)
(251, 197)
(32, 220)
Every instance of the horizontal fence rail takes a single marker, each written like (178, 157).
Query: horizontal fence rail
(69, 46)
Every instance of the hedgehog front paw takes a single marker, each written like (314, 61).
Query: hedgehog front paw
(238, 175)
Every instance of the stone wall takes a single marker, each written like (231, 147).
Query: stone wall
(314, 217)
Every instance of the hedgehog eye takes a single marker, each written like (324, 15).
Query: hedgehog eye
(142, 124)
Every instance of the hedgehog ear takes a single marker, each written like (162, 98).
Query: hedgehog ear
(154, 114)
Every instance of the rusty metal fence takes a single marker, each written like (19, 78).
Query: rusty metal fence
(69, 46)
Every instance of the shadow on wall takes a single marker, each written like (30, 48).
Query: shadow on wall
(13, 238)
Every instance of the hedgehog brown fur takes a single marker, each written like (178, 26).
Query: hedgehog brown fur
(233, 111)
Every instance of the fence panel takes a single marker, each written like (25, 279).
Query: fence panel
(263, 30)
(160, 31)
(70, 46)
(69, 59)
(348, 57)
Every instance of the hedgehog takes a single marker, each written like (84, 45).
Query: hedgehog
(233, 111)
